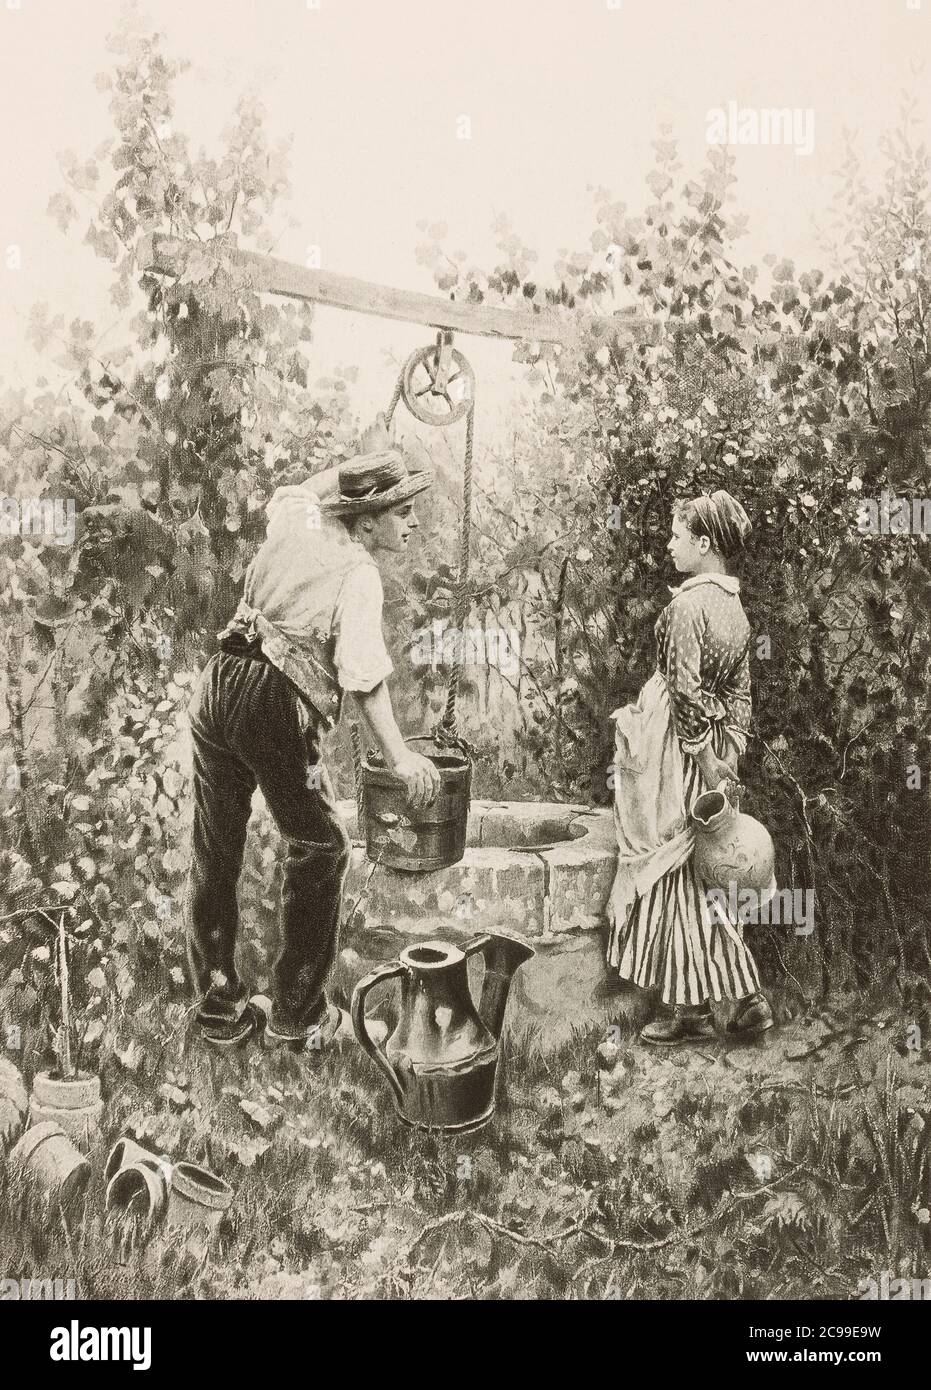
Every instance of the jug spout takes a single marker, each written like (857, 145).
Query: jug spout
(732, 849)
(502, 955)
(712, 809)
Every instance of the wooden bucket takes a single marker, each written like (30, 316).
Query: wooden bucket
(415, 841)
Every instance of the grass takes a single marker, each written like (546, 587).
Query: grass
(741, 1173)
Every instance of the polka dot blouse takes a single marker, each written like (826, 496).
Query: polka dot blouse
(703, 650)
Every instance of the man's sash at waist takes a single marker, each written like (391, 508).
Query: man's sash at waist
(309, 666)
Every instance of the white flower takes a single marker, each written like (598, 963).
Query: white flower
(855, 485)
(163, 387)
(807, 500)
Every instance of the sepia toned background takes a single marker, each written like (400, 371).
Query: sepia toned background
(562, 95)
(798, 1169)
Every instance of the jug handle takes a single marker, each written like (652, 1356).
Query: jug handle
(357, 1012)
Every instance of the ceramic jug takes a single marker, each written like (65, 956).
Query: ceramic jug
(731, 848)
(442, 1058)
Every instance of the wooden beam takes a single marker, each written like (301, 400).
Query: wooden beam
(269, 275)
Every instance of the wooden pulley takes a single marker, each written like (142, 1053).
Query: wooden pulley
(437, 383)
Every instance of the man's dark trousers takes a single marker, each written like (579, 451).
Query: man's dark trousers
(250, 728)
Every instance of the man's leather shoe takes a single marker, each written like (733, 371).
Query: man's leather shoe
(333, 1029)
(235, 1033)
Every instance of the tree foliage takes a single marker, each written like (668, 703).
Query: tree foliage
(800, 393)
(169, 446)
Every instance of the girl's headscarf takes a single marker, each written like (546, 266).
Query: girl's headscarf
(722, 519)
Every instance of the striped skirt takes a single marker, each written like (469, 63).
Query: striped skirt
(671, 941)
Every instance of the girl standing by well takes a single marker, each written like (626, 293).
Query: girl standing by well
(682, 737)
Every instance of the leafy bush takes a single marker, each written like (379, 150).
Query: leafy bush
(802, 395)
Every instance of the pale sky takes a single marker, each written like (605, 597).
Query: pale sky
(561, 95)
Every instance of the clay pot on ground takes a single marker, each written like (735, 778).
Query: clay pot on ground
(50, 1165)
(73, 1103)
(138, 1193)
(124, 1153)
(14, 1104)
(197, 1200)
(138, 1184)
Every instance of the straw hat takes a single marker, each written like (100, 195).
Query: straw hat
(373, 482)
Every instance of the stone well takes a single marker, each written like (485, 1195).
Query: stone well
(538, 870)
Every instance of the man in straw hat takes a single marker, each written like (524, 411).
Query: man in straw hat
(308, 629)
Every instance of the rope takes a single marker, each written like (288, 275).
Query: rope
(389, 414)
(448, 727)
(357, 772)
(447, 732)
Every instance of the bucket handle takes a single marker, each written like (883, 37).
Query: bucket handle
(429, 736)
(392, 970)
